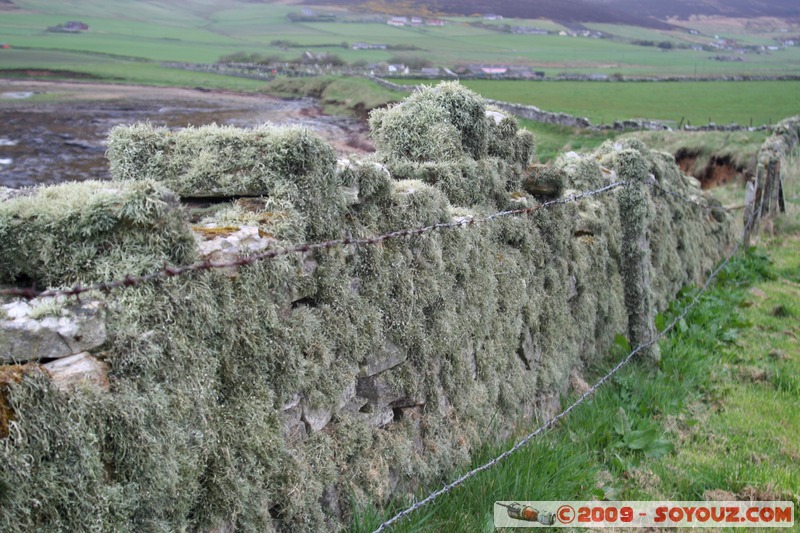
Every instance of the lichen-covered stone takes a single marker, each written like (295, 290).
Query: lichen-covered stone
(91, 231)
(288, 164)
(445, 136)
(233, 398)
(227, 243)
(544, 180)
(31, 331)
(79, 370)
(386, 358)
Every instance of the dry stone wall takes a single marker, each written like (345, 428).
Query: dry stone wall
(278, 396)
(765, 194)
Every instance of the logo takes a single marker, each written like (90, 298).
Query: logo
(579, 514)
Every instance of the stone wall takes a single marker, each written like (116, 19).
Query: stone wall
(281, 395)
(766, 189)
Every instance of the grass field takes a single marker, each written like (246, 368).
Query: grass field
(118, 70)
(762, 102)
(203, 31)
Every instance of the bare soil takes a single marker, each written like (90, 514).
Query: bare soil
(55, 131)
(717, 170)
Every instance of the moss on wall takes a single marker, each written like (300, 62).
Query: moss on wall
(276, 398)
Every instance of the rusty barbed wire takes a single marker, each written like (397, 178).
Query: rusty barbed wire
(552, 421)
(173, 271)
(685, 199)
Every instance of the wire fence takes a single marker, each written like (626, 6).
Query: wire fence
(552, 421)
(658, 187)
(173, 271)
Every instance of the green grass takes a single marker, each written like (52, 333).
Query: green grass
(120, 70)
(634, 32)
(203, 31)
(750, 444)
(553, 140)
(696, 102)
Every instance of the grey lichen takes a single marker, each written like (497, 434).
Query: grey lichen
(488, 318)
(91, 231)
(446, 136)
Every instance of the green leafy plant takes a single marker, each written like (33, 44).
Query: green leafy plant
(649, 441)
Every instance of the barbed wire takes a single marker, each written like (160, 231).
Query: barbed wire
(552, 421)
(686, 199)
(172, 271)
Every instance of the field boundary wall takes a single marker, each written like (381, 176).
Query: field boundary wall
(765, 196)
(240, 332)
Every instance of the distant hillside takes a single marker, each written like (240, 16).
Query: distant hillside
(646, 13)
(789, 9)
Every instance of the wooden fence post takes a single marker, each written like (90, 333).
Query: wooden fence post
(634, 215)
(750, 211)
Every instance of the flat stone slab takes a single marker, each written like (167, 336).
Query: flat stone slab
(229, 243)
(48, 329)
(389, 357)
(78, 370)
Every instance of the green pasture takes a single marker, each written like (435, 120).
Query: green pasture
(696, 102)
(139, 39)
(553, 140)
(548, 25)
(633, 32)
(119, 70)
(190, 12)
(203, 31)
(758, 32)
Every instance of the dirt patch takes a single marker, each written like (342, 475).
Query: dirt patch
(686, 161)
(764, 494)
(753, 374)
(718, 170)
(719, 495)
(61, 137)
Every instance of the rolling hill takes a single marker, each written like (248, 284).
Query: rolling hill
(645, 13)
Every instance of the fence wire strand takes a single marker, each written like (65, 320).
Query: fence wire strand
(170, 271)
(551, 422)
(681, 197)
